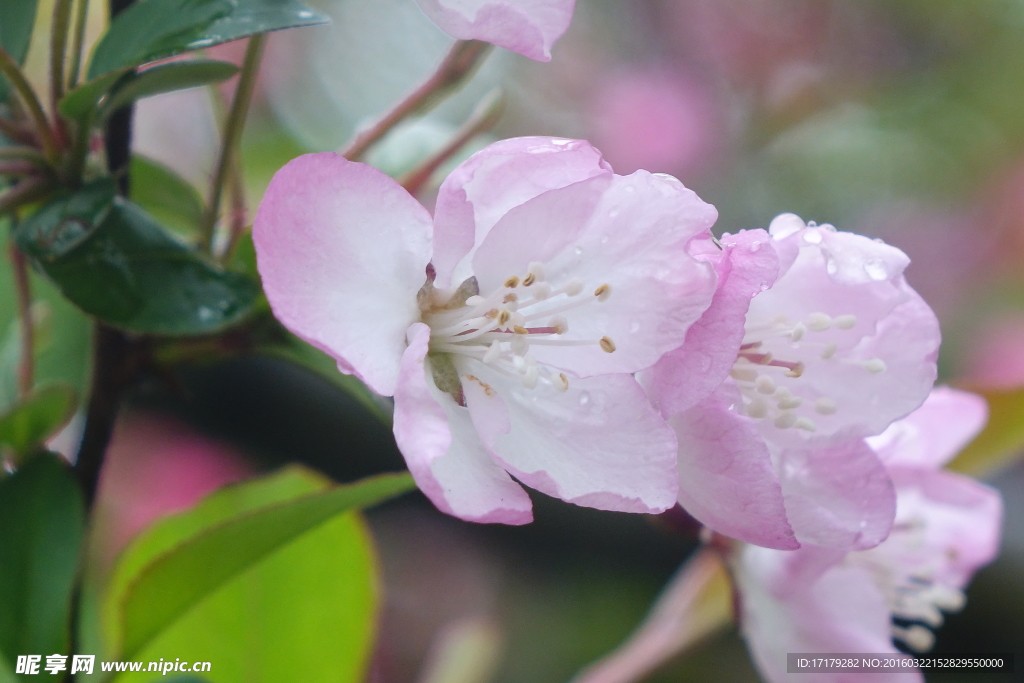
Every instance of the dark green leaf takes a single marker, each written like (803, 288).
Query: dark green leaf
(111, 259)
(41, 524)
(152, 29)
(167, 78)
(1001, 442)
(166, 196)
(80, 103)
(17, 17)
(37, 419)
(155, 29)
(179, 563)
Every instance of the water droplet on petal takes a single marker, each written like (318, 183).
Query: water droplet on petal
(614, 212)
(578, 250)
(584, 398)
(634, 327)
(604, 239)
(812, 237)
(785, 224)
(875, 270)
(831, 267)
(755, 246)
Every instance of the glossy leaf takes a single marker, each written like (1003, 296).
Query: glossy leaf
(1001, 442)
(80, 104)
(41, 525)
(167, 78)
(17, 17)
(151, 29)
(112, 260)
(187, 559)
(155, 29)
(166, 196)
(44, 414)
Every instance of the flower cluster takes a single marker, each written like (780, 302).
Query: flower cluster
(557, 325)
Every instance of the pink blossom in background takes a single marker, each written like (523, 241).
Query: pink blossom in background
(995, 355)
(654, 119)
(529, 27)
(507, 327)
(947, 527)
(156, 466)
(785, 374)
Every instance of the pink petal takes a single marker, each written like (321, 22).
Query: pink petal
(837, 496)
(635, 240)
(598, 444)
(496, 179)
(747, 266)
(931, 435)
(962, 531)
(443, 451)
(342, 250)
(529, 27)
(726, 478)
(843, 611)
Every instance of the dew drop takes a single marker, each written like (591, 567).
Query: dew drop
(584, 398)
(755, 246)
(812, 237)
(630, 189)
(831, 267)
(304, 14)
(634, 327)
(875, 270)
(578, 250)
(206, 314)
(614, 212)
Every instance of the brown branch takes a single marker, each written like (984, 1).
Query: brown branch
(460, 63)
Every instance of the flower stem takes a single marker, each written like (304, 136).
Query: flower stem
(232, 136)
(695, 603)
(460, 62)
(58, 50)
(17, 79)
(78, 44)
(485, 116)
(26, 191)
(23, 288)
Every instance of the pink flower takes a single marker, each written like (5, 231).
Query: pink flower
(529, 27)
(947, 526)
(813, 341)
(507, 327)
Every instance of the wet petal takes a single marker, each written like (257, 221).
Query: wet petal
(443, 451)
(726, 478)
(598, 444)
(342, 250)
(529, 27)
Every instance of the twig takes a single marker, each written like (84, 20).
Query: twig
(232, 136)
(10, 68)
(23, 288)
(485, 116)
(81, 18)
(239, 209)
(15, 132)
(460, 62)
(28, 190)
(690, 608)
(58, 49)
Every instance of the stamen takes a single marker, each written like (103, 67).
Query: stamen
(758, 408)
(798, 331)
(510, 297)
(830, 350)
(765, 385)
(519, 345)
(744, 374)
(790, 402)
(529, 279)
(607, 345)
(846, 322)
(560, 382)
(512, 282)
(530, 377)
(541, 291)
(805, 424)
(475, 300)
(573, 286)
(603, 292)
(875, 366)
(504, 316)
(752, 345)
(825, 406)
(917, 638)
(785, 420)
(559, 324)
(819, 322)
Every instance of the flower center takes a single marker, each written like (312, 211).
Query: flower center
(499, 328)
(776, 354)
(915, 599)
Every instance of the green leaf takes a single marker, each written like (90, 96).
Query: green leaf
(1001, 442)
(112, 260)
(44, 414)
(166, 196)
(79, 104)
(17, 17)
(219, 578)
(41, 525)
(167, 78)
(154, 29)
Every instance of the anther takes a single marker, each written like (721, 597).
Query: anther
(744, 374)
(536, 269)
(519, 345)
(475, 300)
(830, 350)
(765, 385)
(512, 282)
(510, 297)
(785, 420)
(492, 314)
(504, 316)
(559, 324)
(805, 424)
(529, 279)
(845, 322)
(603, 292)
(518, 329)
(758, 408)
(561, 382)
(530, 377)
(796, 371)
(607, 345)
(790, 402)
(798, 331)
(573, 286)
(875, 366)
(819, 322)
(917, 637)
(493, 351)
